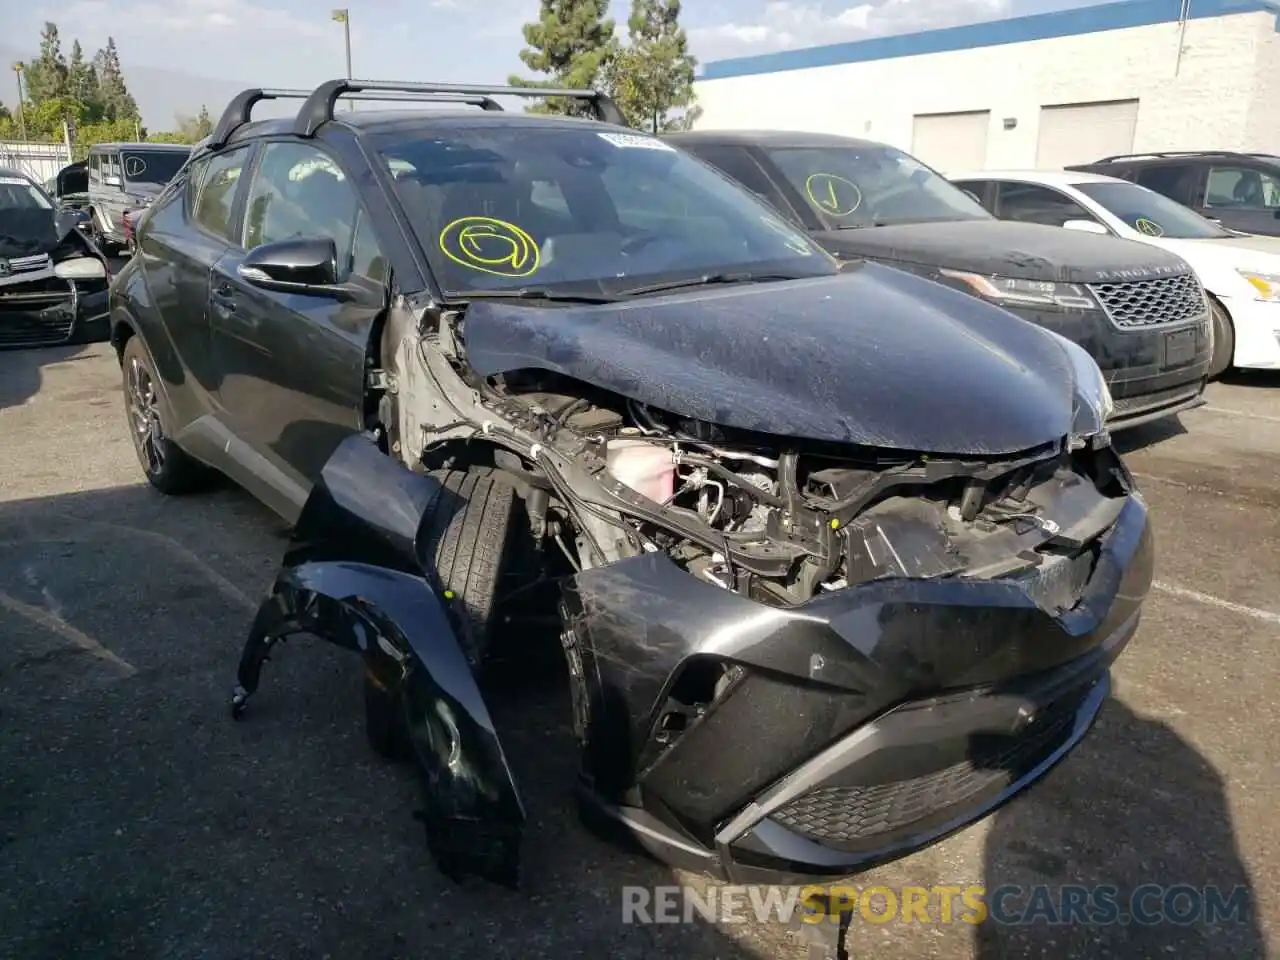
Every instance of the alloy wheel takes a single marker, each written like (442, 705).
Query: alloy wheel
(144, 417)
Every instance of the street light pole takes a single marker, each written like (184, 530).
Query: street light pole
(343, 17)
(22, 121)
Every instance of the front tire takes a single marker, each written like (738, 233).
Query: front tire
(469, 538)
(1224, 340)
(167, 467)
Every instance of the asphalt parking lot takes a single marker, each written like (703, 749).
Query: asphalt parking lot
(138, 820)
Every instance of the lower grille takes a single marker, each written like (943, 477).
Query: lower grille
(1129, 406)
(853, 815)
(1138, 304)
(36, 314)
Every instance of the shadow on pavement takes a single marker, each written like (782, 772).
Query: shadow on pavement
(137, 819)
(20, 370)
(1252, 378)
(1148, 434)
(1136, 805)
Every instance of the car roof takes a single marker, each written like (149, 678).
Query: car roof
(1050, 178)
(10, 172)
(771, 138)
(141, 145)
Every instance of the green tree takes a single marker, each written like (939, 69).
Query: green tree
(46, 75)
(82, 83)
(113, 93)
(570, 44)
(651, 78)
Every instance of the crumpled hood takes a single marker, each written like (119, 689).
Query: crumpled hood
(25, 233)
(1024, 251)
(874, 356)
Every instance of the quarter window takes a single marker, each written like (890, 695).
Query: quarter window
(299, 192)
(216, 194)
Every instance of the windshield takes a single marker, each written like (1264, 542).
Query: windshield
(152, 166)
(511, 207)
(19, 193)
(1151, 213)
(869, 186)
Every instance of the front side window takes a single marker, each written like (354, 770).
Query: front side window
(153, 167)
(871, 185)
(20, 195)
(1151, 213)
(216, 196)
(1033, 203)
(299, 192)
(528, 205)
(1242, 188)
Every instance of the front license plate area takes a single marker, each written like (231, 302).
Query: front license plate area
(1180, 348)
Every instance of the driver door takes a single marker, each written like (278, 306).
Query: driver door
(293, 364)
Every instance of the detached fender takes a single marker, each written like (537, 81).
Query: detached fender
(392, 617)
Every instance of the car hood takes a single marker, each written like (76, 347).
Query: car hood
(1024, 251)
(26, 233)
(1241, 253)
(874, 356)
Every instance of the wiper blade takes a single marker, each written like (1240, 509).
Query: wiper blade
(706, 280)
(534, 293)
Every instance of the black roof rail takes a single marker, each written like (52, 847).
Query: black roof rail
(318, 109)
(1164, 154)
(240, 109)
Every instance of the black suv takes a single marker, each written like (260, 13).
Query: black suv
(1239, 190)
(1139, 311)
(817, 540)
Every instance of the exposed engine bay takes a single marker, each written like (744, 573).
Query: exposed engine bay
(778, 520)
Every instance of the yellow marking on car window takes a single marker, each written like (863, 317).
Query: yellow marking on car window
(833, 195)
(1149, 227)
(490, 246)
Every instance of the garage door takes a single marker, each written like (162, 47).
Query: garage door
(951, 141)
(1084, 132)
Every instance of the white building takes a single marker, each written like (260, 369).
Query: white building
(1039, 91)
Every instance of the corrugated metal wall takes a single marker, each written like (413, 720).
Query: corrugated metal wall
(40, 161)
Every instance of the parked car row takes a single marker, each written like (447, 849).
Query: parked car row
(823, 533)
(1240, 272)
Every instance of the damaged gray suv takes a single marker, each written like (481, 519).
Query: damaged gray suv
(840, 557)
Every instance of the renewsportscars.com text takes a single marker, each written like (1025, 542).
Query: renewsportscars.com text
(941, 904)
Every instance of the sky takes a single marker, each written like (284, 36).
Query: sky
(171, 45)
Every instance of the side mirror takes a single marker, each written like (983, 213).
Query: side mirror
(1087, 226)
(306, 265)
(111, 181)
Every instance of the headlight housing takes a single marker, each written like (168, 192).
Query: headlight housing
(1266, 286)
(80, 268)
(1092, 402)
(1008, 291)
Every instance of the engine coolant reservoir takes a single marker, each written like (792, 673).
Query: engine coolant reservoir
(645, 467)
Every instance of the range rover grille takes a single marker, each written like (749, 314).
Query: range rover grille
(1138, 304)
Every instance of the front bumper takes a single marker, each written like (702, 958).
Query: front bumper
(855, 729)
(1257, 329)
(47, 313)
(1152, 373)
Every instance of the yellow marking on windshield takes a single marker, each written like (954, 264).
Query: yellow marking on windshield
(833, 195)
(490, 246)
(1149, 227)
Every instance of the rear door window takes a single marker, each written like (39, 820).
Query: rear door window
(1033, 203)
(1170, 179)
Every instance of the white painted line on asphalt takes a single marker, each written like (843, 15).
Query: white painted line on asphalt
(1241, 413)
(51, 621)
(1266, 616)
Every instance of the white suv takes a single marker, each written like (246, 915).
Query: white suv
(1240, 271)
